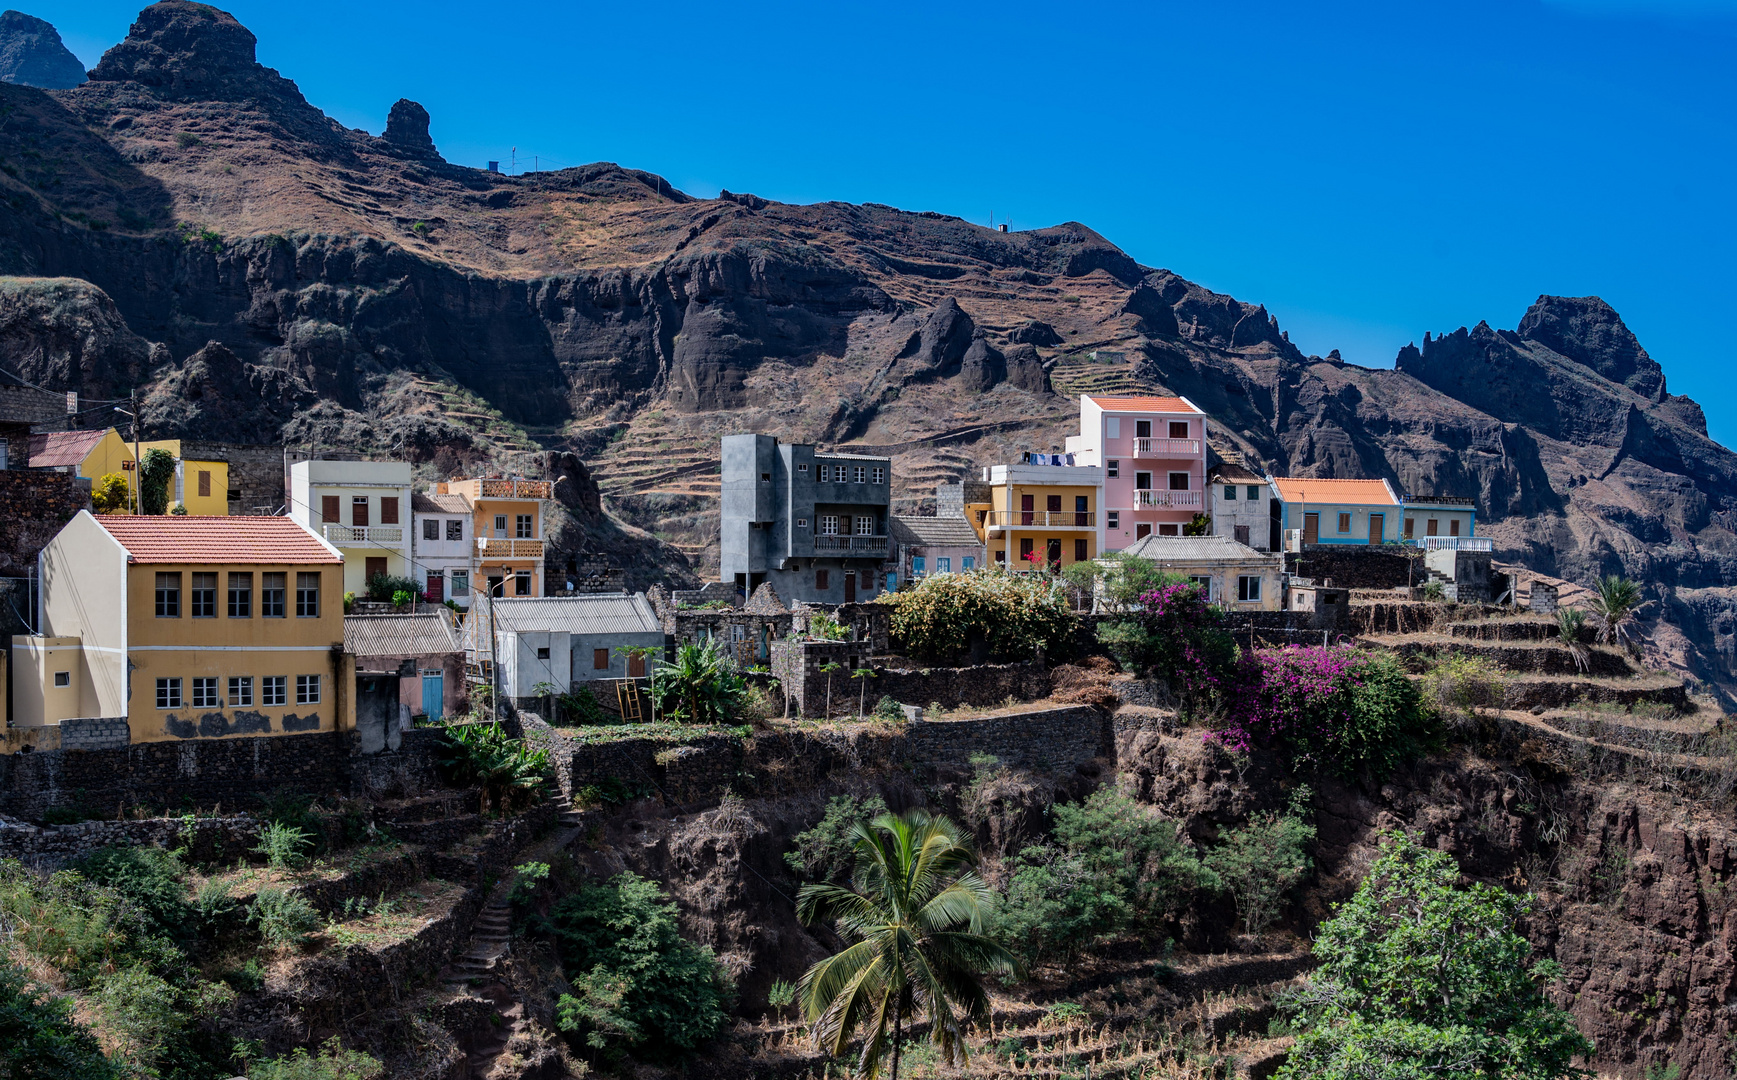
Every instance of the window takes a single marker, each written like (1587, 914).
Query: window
(969, 562)
(1112, 468)
(274, 690)
(1113, 427)
(765, 478)
(1143, 481)
(1205, 584)
(1230, 493)
(524, 526)
(460, 583)
(880, 475)
(865, 525)
(1410, 528)
(943, 565)
(802, 523)
(522, 583)
(1168, 530)
(1080, 551)
(1179, 429)
(802, 468)
(500, 525)
(1001, 556)
(823, 580)
(1142, 429)
(307, 596)
(1344, 523)
(1429, 527)
(1240, 534)
(168, 693)
(600, 659)
(543, 652)
(359, 511)
(329, 509)
(204, 596)
(307, 689)
(455, 528)
(1253, 492)
(430, 529)
(168, 596)
(240, 691)
(1141, 530)
(63, 678)
(271, 595)
(1025, 546)
(1178, 481)
(919, 565)
(858, 474)
(829, 524)
(388, 509)
(1248, 589)
(205, 693)
(205, 483)
(738, 632)
(826, 474)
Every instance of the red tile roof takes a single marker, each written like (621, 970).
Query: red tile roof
(60, 448)
(171, 539)
(1306, 489)
(1136, 403)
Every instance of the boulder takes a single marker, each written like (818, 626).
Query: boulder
(32, 54)
(1025, 369)
(1038, 332)
(982, 367)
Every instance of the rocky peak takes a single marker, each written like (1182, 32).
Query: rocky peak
(32, 54)
(1589, 331)
(185, 50)
(407, 129)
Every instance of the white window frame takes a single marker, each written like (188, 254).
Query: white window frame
(864, 525)
(1248, 589)
(460, 582)
(274, 690)
(501, 526)
(880, 475)
(307, 689)
(205, 692)
(1205, 582)
(829, 524)
(240, 691)
(802, 468)
(1112, 519)
(1113, 468)
(859, 473)
(169, 692)
(802, 523)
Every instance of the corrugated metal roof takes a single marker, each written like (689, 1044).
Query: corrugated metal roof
(598, 613)
(421, 503)
(171, 539)
(1143, 403)
(423, 634)
(1179, 549)
(56, 449)
(937, 531)
(1310, 489)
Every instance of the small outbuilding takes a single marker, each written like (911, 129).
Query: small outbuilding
(1235, 576)
(433, 683)
(564, 641)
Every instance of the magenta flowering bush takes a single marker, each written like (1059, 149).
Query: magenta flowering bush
(1333, 708)
(1175, 634)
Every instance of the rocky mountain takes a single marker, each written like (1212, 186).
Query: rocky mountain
(281, 276)
(32, 54)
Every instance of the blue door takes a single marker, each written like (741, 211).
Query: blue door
(433, 694)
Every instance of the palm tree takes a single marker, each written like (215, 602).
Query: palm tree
(1614, 609)
(914, 916)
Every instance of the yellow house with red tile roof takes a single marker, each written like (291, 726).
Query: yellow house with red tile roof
(189, 628)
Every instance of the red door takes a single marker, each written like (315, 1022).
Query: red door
(850, 587)
(436, 591)
(1026, 507)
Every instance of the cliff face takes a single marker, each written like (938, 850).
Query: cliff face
(32, 54)
(344, 287)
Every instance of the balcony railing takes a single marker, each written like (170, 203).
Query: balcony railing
(852, 545)
(492, 547)
(1166, 447)
(1453, 543)
(517, 489)
(364, 534)
(1168, 500)
(1041, 519)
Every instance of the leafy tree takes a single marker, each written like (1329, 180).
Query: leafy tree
(947, 617)
(914, 916)
(384, 588)
(1126, 578)
(508, 770)
(1422, 978)
(155, 472)
(38, 1038)
(1172, 630)
(1615, 609)
(702, 686)
(1260, 862)
(111, 494)
(1113, 868)
(1198, 525)
(637, 984)
(824, 852)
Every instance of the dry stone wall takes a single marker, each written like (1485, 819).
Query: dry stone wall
(38, 505)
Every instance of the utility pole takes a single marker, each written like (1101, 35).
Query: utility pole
(138, 474)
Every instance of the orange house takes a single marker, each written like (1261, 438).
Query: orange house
(507, 517)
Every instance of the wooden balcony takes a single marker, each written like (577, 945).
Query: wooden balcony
(492, 547)
(1166, 448)
(1041, 519)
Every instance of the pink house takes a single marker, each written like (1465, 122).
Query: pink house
(1153, 452)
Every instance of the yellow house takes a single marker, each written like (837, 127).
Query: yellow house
(201, 486)
(1040, 513)
(91, 454)
(190, 628)
(508, 523)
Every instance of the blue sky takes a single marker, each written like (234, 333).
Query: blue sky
(1367, 171)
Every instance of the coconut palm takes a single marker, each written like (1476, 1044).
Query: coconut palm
(913, 916)
(1614, 608)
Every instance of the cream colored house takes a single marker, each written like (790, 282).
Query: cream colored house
(188, 627)
(1236, 577)
(360, 507)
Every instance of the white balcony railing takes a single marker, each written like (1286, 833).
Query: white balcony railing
(1168, 500)
(1166, 447)
(1453, 543)
(363, 534)
(494, 547)
(851, 545)
(1041, 519)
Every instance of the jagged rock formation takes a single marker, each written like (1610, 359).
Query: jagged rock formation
(377, 296)
(67, 333)
(32, 54)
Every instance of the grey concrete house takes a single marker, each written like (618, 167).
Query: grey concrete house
(813, 524)
(564, 641)
(1244, 507)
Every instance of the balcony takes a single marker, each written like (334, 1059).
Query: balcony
(516, 489)
(1041, 519)
(1453, 543)
(1147, 499)
(1166, 448)
(850, 545)
(493, 547)
(346, 535)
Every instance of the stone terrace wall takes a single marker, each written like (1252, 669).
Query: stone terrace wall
(797, 666)
(37, 506)
(1352, 566)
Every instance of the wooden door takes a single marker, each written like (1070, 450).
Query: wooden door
(359, 511)
(1377, 526)
(373, 568)
(1027, 506)
(1052, 550)
(850, 586)
(1311, 528)
(1142, 529)
(329, 509)
(636, 665)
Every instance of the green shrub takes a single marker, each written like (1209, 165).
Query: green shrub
(111, 494)
(946, 617)
(781, 995)
(38, 1037)
(827, 851)
(530, 878)
(701, 686)
(282, 845)
(1261, 862)
(148, 877)
(213, 905)
(1459, 684)
(247, 978)
(1421, 977)
(80, 928)
(888, 709)
(282, 917)
(638, 986)
(509, 771)
(155, 472)
(383, 588)
(1434, 591)
(333, 1062)
(1112, 868)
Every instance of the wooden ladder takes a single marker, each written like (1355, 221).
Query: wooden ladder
(627, 697)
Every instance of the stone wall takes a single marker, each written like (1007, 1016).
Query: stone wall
(256, 473)
(37, 505)
(1352, 566)
(797, 665)
(95, 733)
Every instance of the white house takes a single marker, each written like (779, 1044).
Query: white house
(1236, 577)
(441, 527)
(360, 507)
(1244, 507)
